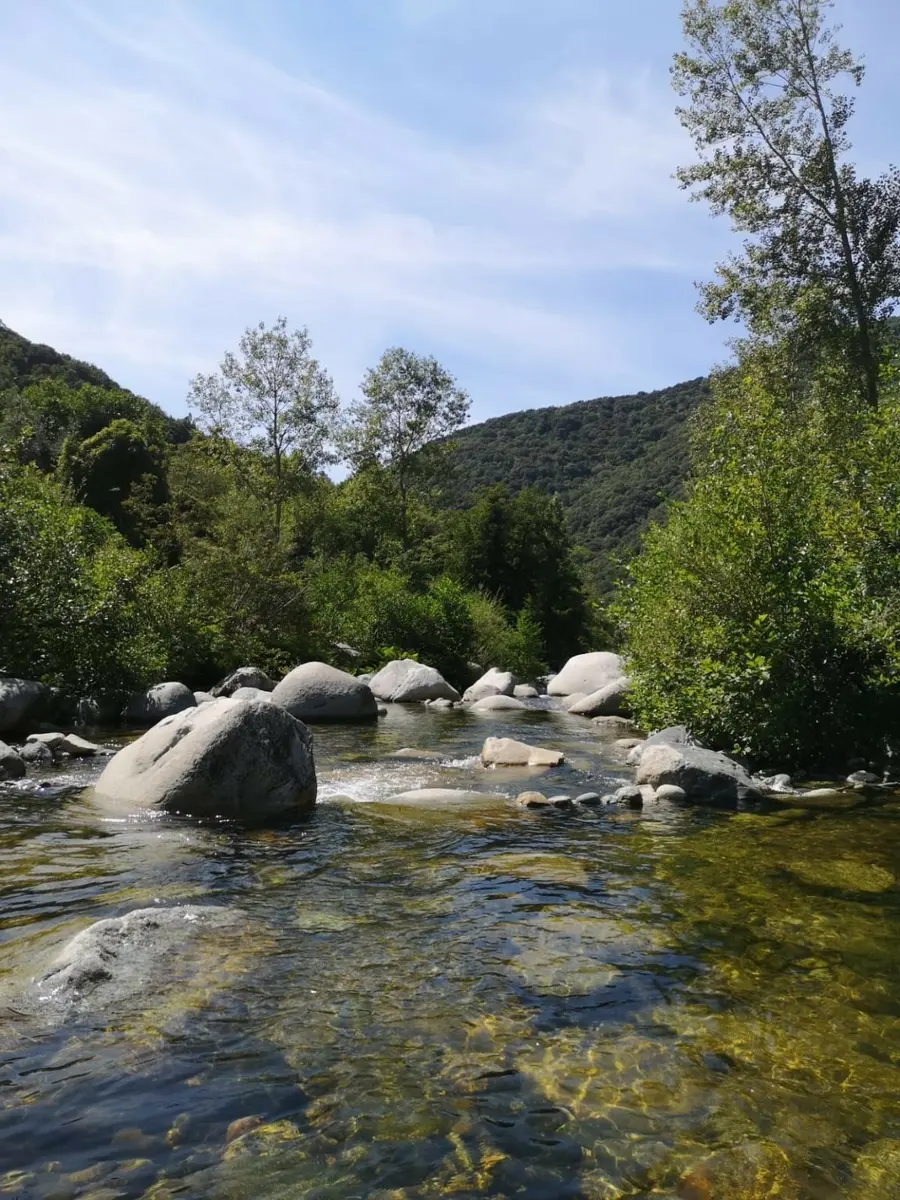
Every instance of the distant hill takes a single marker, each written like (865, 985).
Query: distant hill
(610, 461)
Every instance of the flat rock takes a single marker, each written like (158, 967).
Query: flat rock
(436, 797)
(404, 681)
(491, 704)
(251, 677)
(609, 701)
(237, 758)
(12, 765)
(705, 775)
(316, 691)
(164, 700)
(507, 752)
(121, 957)
(587, 673)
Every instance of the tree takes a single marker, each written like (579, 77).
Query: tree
(410, 404)
(275, 397)
(769, 120)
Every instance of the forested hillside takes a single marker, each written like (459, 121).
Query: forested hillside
(609, 461)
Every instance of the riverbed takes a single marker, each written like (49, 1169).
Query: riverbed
(469, 1000)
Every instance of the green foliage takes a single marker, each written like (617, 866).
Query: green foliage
(763, 613)
(610, 463)
(78, 606)
(768, 109)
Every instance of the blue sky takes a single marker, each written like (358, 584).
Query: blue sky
(488, 181)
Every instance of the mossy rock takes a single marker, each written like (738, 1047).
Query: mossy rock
(847, 874)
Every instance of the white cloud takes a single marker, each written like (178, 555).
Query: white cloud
(172, 186)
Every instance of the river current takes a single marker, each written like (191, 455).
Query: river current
(469, 1000)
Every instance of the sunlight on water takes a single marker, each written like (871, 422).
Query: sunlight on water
(494, 1002)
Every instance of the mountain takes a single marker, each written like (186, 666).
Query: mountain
(610, 461)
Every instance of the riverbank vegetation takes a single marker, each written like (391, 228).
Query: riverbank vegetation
(134, 547)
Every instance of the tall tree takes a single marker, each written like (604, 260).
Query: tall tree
(410, 403)
(274, 396)
(766, 85)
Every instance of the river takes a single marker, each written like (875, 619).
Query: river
(474, 1000)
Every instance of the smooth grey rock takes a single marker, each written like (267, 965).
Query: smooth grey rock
(12, 765)
(670, 791)
(203, 697)
(589, 798)
(524, 691)
(404, 681)
(53, 741)
(236, 758)
(123, 957)
(492, 683)
(22, 702)
(674, 735)
(67, 743)
(164, 700)
(507, 752)
(250, 677)
(560, 801)
(366, 677)
(863, 777)
(630, 796)
(491, 704)
(705, 775)
(317, 692)
(587, 673)
(441, 705)
(252, 693)
(608, 701)
(539, 800)
(38, 754)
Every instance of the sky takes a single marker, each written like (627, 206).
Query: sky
(487, 181)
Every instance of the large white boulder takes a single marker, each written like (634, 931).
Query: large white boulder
(492, 683)
(235, 758)
(164, 700)
(608, 701)
(317, 692)
(22, 702)
(587, 673)
(507, 752)
(407, 682)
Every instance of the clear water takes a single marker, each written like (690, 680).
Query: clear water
(469, 1001)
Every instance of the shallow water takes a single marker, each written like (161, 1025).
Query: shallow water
(473, 1001)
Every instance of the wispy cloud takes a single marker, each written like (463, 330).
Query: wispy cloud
(164, 184)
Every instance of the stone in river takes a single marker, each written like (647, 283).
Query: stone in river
(507, 752)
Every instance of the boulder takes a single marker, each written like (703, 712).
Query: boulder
(252, 693)
(36, 753)
(492, 683)
(587, 673)
(203, 697)
(22, 702)
(670, 792)
(630, 796)
(591, 799)
(12, 765)
(498, 704)
(673, 735)
(524, 691)
(237, 758)
(408, 682)
(704, 775)
(251, 677)
(608, 701)
(164, 700)
(507, 752)
(120, 957)
(318, 692)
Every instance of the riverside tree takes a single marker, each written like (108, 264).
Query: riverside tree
(274, 397)
(768, 106)
(410, 403)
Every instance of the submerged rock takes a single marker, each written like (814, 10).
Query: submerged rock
(704, 775)
(586, 673)
(539, 800)
(237, 758)
(12, 765)
(23, 702)
(489, 704)
(164, 700)
(121, 957)
(249, 677)
(317, 692)
(407, 682)
(507, 752)
(492, 683)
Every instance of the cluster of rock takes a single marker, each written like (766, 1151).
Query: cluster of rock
(43, 750)
(593, 685)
